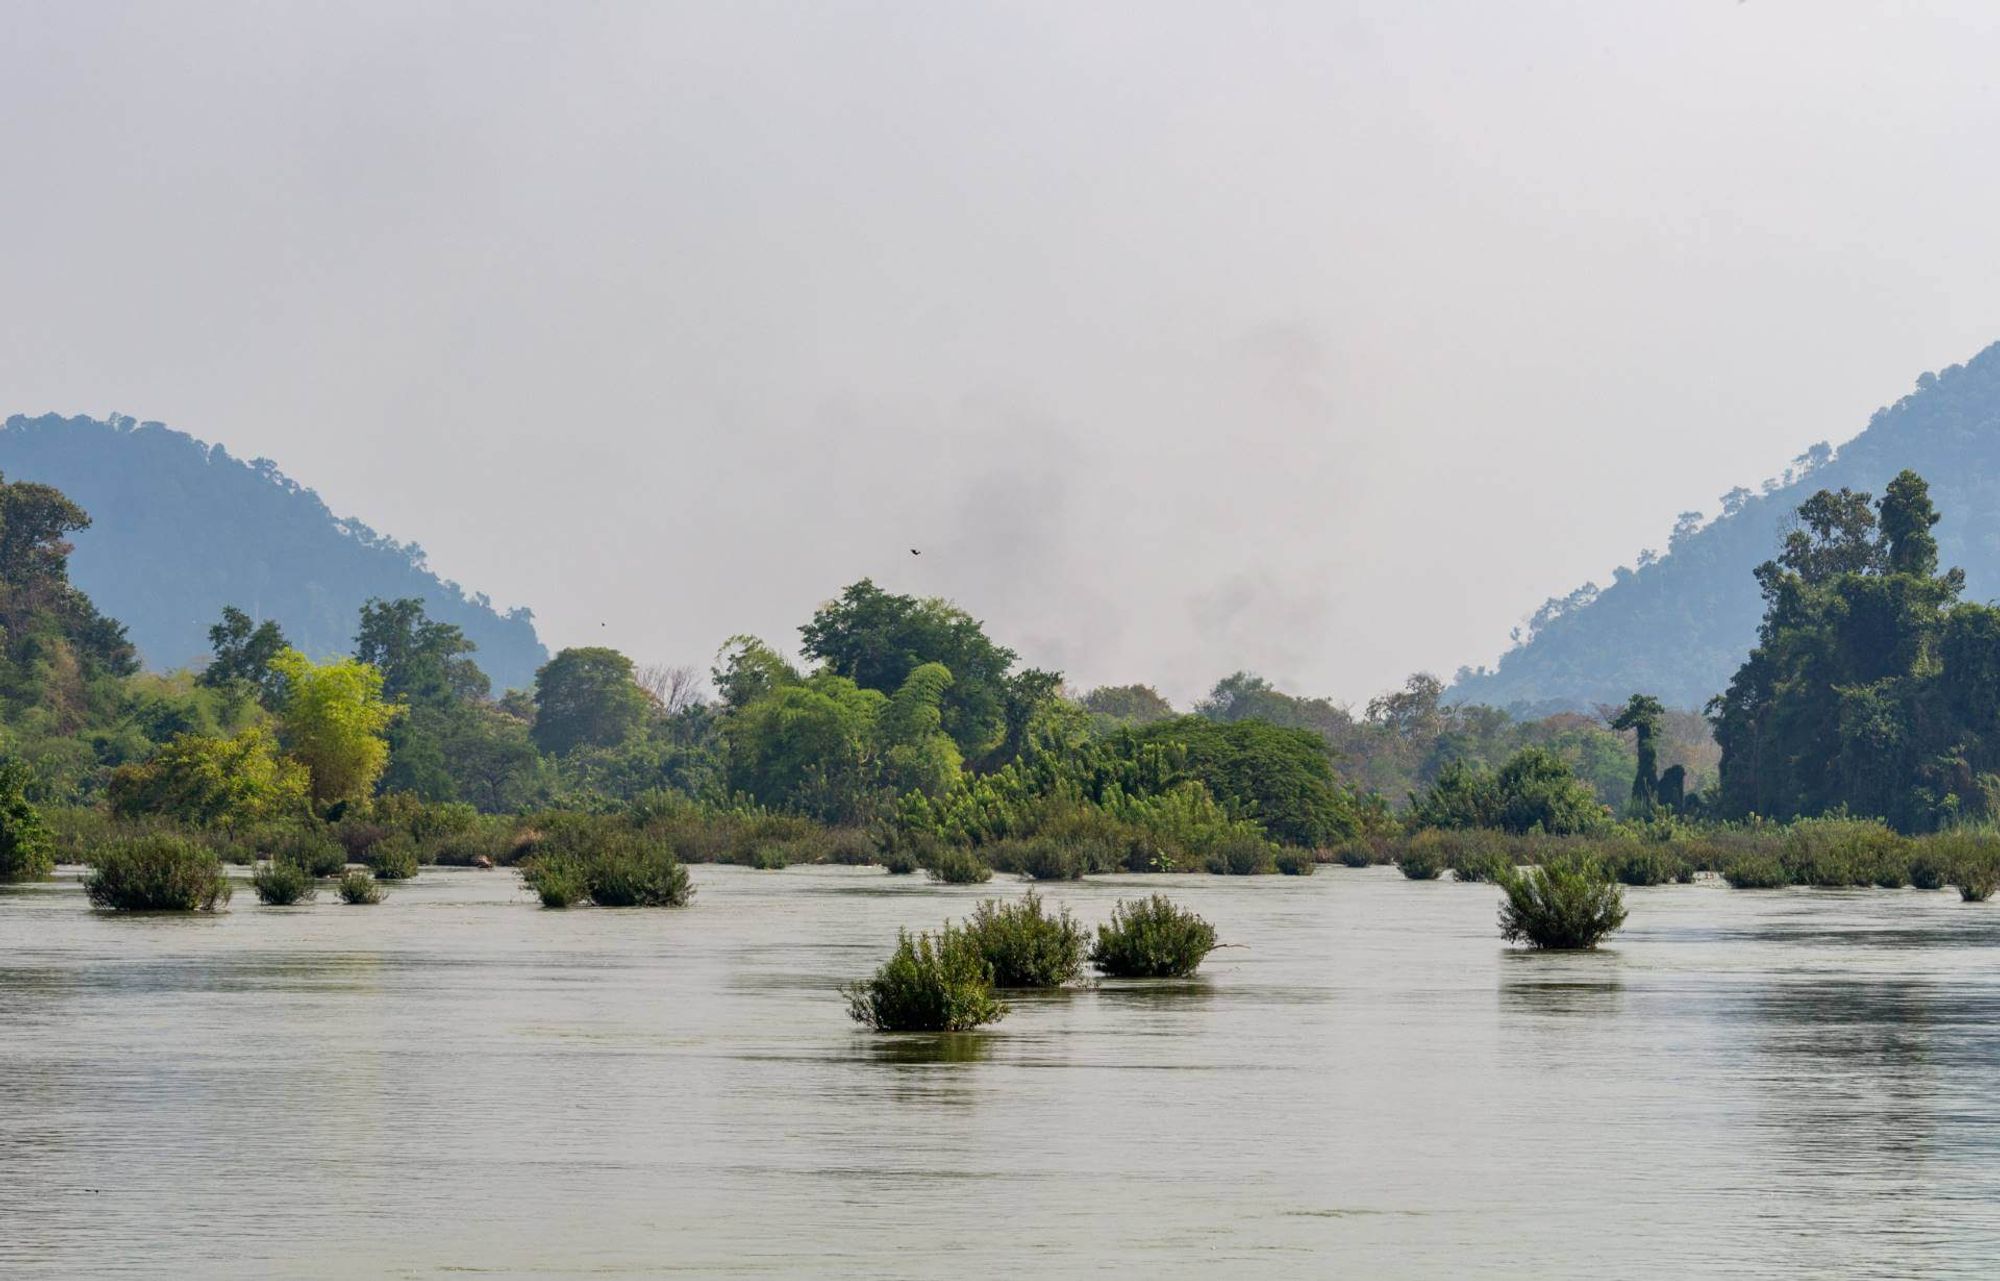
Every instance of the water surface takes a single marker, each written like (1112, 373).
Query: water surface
(1758, 1084)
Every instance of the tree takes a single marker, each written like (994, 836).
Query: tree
(1139, 704)
(334, 722)
(1281, 777)
(244, 651)
(916, 754)
(746, 669)
(586, 698)
(1537, 789)
(876, 639)
(421, 661)
(26, 850)
(215, 782)
(1642, 715)
(808, 747)
(674, 689)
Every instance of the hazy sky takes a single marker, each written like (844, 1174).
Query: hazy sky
(1320, 339)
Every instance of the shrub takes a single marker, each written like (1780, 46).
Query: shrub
(1929, 872)
(1755, 872)
(360, 886)
(637, 874)
(1567, 903)
(940, 984)
(899, 862)
(1976, 882)
(1834, 852)
(27, 850)
(357, 836)
(1356, 854)
(1647, 864)
(393, 859)
(1038, 858)
(1241, 854)
(1151, 938)
(283, 884)
(1477, 866)
(485, 843)
(955, 866)
(1025, 946)
(1420, 864)
(557, 879)
(1296, 863)
(311, 850)
(157, 873)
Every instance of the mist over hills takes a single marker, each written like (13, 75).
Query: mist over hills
(181, 528)
(1679, 626)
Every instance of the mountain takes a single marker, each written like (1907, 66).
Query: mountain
(1679, 626)
(179, 529)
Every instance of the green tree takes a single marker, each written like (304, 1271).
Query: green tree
(1138, 704)
(1642, 715)
(26, 849)
(876, 639)
(204, 781)
(916, 754)
(809, 748)
(243, 653)
(1281, 777)
(587, 698)
(1537, 789)
(334, 722)
(421, 661)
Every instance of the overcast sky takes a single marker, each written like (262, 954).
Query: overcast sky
(1323, 339)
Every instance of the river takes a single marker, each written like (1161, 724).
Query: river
(1764, 1084)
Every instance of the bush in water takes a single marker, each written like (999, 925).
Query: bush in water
(283, 884)
(637, 874)
(1150, 938)
(157, 873)
(1024, 945)
(1296, 863)
(27, 849)
(310, 849)
(360, 886)
(1567, 903)
(955, 866)
(931, 984)
(393, 858)
(557, 879)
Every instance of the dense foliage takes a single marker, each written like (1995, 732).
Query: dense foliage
(1568, 903)
(933, 983)
(1151, 938)
(1873, 690)
(157, 873)
(1026, 945)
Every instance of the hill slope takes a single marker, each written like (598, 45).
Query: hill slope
(180, 529)
(1679, 627)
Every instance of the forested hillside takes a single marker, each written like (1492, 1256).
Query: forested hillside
(180, 529)
(1678, 626)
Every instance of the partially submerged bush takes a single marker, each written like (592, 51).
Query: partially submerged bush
(1150, 938)
(283, 884)
(1836, 852)
(1755, 872)
(1420, 864)
(360, 886)
(557, 879)
(1296, 863)
(157, 873)
(1567, 903)
(1241, 854)
(1356, 854)
(955, 866)
(931, 984)
(1647, 864)
(1976, 882)
(313, 851)
(899, 862)
(393, 859)
(1024, 945)
(637, 875)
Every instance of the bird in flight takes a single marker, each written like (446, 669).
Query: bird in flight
(915, 552)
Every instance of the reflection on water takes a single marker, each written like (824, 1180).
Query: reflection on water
(1793, 1084)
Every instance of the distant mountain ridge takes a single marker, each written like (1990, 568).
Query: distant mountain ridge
(1678, 627)
(181, 528)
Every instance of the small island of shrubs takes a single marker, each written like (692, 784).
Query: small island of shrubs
(950, 981)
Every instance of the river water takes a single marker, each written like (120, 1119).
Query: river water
(1758, 1084)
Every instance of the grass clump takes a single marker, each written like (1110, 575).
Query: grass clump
(931, 984)
(1568, 903)
(1150, 938)
(360, 886)
(283, 884)
(157, 873)
(955, 866)
(1024, 945)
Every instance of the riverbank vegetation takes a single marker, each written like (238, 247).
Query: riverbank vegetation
(903, 735)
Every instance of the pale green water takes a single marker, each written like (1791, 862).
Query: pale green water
(1790, 1084)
